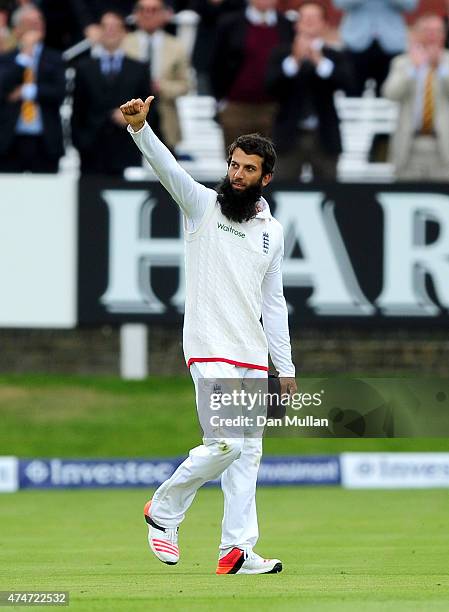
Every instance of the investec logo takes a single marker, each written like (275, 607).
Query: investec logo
(64, 472)
(309, 221)
(230, 229)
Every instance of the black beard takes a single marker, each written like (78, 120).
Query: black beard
(238, 205)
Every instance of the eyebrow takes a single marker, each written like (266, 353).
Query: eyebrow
(233, 161)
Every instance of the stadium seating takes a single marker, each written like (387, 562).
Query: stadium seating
(361, 119)
(202, 138)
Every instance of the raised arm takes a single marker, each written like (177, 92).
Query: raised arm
(192, 197)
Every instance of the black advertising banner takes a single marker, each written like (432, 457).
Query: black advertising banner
(358, 254)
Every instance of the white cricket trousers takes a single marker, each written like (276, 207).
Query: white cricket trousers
(237, 461)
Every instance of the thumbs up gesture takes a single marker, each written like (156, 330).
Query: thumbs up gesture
(135, 112)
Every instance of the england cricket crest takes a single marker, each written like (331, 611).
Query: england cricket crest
(265, 242)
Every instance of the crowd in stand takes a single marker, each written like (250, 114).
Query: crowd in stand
(271, 71)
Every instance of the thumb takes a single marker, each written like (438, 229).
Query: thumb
(148, 102)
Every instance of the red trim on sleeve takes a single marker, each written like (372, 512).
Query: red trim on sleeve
(239, 364)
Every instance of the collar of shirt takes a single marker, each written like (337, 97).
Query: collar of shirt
(111, 63)
(263, 210)
(117, 54)
(256, 17)
(145, 38)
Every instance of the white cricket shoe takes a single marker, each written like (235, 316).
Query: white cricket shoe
(238, 561)
(163, 541)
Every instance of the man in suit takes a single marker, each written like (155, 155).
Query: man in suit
(373, 32)
(243, 45)
(304, 76)
(32, 88)
(419, 82)
(87, 13)
(170, 66)
(98, 127)
(210, 12)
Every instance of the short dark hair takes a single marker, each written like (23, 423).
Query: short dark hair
(117, 14)
(255, 144)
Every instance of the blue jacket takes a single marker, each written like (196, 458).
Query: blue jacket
(367, 20)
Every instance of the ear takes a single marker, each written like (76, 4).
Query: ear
(266, 179)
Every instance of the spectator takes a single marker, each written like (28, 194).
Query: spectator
(88, 13)
(7, 7)
(69, 21)
(32, 88)
(419, 82)
(243, 45)
(6, 39)
(101, 85)
(305, 76)
(210, 11)
(373, 32)
(170, 66)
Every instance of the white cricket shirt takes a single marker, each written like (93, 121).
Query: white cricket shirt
(233, 273)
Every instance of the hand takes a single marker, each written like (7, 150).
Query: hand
(93, 33)
(16, 94)
(315, 55)
(29, 40)
(301, 48)
(156, 86)
(288, 385)
(418, 55)
(118, 118)
(135, 112)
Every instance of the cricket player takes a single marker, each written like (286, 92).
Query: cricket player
(234, 250)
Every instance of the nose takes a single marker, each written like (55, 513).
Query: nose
(238, 173)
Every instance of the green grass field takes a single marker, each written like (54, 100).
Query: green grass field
(75, 416)
(342, 550)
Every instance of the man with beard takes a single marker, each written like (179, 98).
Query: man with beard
(234, 250)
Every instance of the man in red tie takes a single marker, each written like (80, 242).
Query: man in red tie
(32, 88)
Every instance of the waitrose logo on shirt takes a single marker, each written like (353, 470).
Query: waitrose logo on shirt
(229, 228)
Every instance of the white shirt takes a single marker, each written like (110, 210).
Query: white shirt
(154, 40)
(233, 273)
(110, 61)
(256, 17)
